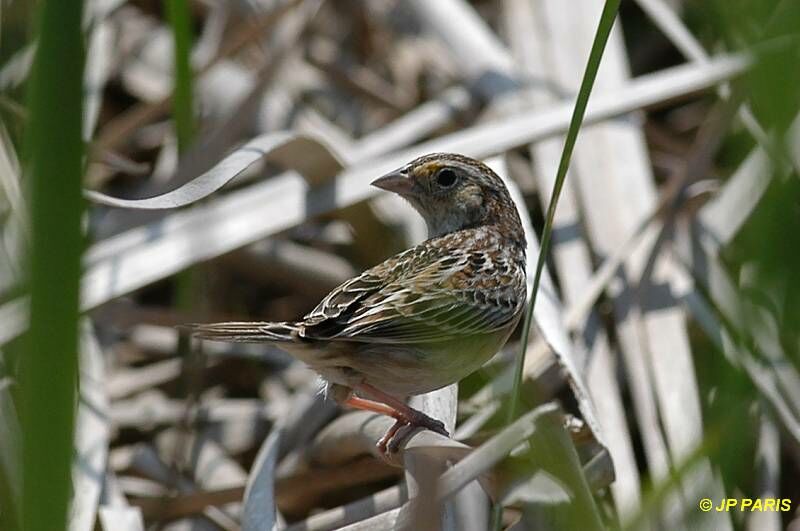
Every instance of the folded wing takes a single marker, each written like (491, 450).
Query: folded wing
(422, 295)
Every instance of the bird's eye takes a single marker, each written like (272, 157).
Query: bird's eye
(446, 178)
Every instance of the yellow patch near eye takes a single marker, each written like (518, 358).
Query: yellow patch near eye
(429, 168)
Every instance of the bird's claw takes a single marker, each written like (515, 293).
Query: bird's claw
(434, 425)
(404, 426)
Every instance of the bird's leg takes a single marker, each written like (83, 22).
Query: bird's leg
(403, 410)
(368, 405)
(390, 406)
(404, 414)
(376, 407)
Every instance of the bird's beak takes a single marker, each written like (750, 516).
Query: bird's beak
(397, 181)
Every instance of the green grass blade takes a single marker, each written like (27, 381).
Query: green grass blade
(188, 283)
(598, 47)
(177, 12)
(607, 18)
(48, 365)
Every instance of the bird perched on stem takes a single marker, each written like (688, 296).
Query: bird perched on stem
(424, 318)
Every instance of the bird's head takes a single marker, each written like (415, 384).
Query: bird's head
(453, 192)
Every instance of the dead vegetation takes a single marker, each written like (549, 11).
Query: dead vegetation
(644, 325)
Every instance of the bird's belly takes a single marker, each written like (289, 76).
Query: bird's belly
(414, 370)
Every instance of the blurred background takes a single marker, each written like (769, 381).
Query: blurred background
(226, 148)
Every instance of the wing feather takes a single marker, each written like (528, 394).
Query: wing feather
(419, 296)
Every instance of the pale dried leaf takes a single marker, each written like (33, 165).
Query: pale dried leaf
(92, 434)
(303, 153)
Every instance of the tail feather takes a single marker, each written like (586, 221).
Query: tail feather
(244, 332)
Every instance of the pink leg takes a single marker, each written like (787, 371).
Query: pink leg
(404, 412)
(368, 405)
(383, 409)
(392, 407)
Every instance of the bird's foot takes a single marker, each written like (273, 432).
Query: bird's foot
(418, 418)
(407, 419)
(406, 422)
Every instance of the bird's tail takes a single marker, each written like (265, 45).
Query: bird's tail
(244, 332)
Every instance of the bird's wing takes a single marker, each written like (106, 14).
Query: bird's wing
(422, 295)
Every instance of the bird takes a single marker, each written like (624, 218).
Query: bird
(424, 318)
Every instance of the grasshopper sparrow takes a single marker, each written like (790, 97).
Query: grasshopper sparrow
(424, 318)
